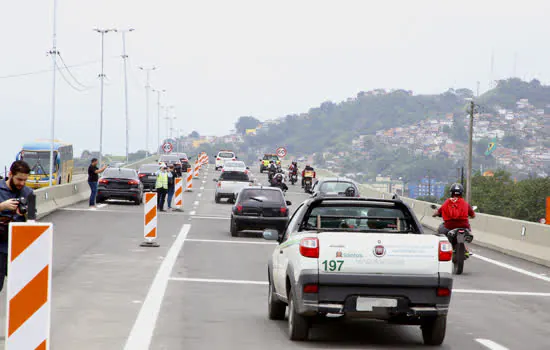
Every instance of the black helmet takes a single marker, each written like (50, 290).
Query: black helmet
(350, 191)
(456, 189)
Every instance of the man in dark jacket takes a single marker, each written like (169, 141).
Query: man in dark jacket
(171, 184)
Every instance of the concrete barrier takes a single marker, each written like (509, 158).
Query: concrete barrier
(523, 239)
(52, 198)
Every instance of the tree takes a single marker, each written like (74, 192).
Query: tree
(194, 135)
(246, 122)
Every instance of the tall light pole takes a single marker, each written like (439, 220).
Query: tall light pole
(169, 120)
(102, 76)
(125, 58)
(53, 53)
(147, 88)
(470, 153)
(158, 118)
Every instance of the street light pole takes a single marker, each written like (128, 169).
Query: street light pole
(125, 58)
(54, 53)
(470, 154)
(158, 119)
(147, 89)
(102, 76)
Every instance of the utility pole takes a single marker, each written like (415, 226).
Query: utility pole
(53, 53)
(147, 89)
(102, 77)
(169, 121)
(477, 95)
(158, 119)
(470, 154)
(125, 58)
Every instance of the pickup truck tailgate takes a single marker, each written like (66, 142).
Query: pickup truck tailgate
(375, 253)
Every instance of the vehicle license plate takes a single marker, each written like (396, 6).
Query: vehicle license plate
(152, 177)
(366, 304)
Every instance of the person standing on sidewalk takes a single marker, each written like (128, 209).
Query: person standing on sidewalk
(93, 178)
(161, 186)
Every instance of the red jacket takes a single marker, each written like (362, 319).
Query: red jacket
(455, 213)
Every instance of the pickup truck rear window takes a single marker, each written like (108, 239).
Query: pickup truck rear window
(226, 155)
(234, 176)
(359, 218)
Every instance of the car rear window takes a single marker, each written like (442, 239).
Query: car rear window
(151, 168)
(364, 217)
(234, 176)
(234, 164)
(120, 174)
(262, 194)
(335, 186)
(271, 157)
(169, 158)
(226, 155)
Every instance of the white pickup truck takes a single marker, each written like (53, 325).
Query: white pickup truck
(230, 184)
(361, 258)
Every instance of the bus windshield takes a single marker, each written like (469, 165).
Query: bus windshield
(38, 161)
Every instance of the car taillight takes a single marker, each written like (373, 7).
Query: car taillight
(218, 158)
(283, 211)
(234, 159)
(311, 288)
(142, 175)
(309, 247)
(443, 292)
(445, 251)
(133, 182)
(239, 208)
(219, 184)
(103, 181)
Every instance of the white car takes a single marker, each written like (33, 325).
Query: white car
(235, 165)
(230, 184)
(362, 258)
(224, 156)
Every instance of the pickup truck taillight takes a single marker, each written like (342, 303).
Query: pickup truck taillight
(239, 208)
(311, 288)
(283, 211)
(445, 251)
(309, 247)
(443, 292)
(219, 184)
(218, 158)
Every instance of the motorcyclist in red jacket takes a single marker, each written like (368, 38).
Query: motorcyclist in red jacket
(455, 212)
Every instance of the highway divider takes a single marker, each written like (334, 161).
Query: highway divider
(523, 239)
(49, 199)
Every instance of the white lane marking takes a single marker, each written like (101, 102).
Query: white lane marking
(209, 280)
(491, 344)
(192, 213)
(227, 241)
(103, 205)
(114, 211)
(142, 331)
(501, 292)
(199, 194)
(202, 188)
(196, 203)
(212, 217)
(513, 268)
(203, 181)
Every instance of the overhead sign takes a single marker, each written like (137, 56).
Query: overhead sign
(167, 147)
(281, 152)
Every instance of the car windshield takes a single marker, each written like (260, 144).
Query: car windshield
(169, 159)
(273, 157)
(234, 176)
(361, 217)
(226, 155)
(235, 165)
(335, 187)
(261, 195)
(149, 168)
(119, 173)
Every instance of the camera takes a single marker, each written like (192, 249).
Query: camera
(23, 205)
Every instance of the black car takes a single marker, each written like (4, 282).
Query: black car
(169, 159)
(184, 160)
(147, 176)
(259, 208)
(120, 183)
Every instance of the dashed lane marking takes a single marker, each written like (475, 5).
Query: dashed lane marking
(512, 268)
(142, 331)
(501, 292)
(103, 205)
(199, 194)
(212, 217)
(192, 213)
(228, 241)
(207, 280)
(491, 344)
(196, 203)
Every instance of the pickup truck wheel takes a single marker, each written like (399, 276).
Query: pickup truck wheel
(234, 229)
(433, 330)
(276, 308)
(298, 325)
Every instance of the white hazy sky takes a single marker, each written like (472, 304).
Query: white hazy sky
(219, 60)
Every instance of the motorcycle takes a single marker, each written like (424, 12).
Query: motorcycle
(307, 184)
(458, 237)
(293, 178)
(280, 184)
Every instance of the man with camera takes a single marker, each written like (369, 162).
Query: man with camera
(13, 207)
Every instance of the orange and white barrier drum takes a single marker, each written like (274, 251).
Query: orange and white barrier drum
(189, 182)
(178, 194)
(150, 222)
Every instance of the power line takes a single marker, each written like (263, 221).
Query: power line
(67, 80)
(70, 73)
(9, 76)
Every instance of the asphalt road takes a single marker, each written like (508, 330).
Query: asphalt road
(203, 289)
